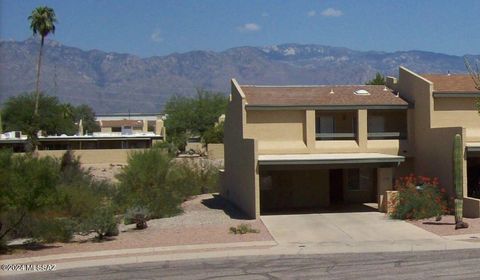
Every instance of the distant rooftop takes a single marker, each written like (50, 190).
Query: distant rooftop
(451, 83)
(321, 95)
(120, 123)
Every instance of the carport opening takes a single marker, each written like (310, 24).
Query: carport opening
(336, 186)
(473, 177)
(285, 190)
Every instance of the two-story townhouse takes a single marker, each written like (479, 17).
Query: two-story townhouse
(307, 147)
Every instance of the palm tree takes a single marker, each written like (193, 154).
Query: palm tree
(42, 22)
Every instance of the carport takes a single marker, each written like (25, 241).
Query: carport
(311, 182)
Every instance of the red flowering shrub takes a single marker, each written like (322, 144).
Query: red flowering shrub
(419, 197)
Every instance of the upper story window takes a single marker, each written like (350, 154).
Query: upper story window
(387, 124)
(338, 125)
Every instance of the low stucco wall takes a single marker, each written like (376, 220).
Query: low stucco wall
(96, 156)
(471, 207)
(215, 151)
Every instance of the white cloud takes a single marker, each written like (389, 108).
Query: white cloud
(265, 14)
(249, 27)
(156, 36)
(311, 13)
(331, 12)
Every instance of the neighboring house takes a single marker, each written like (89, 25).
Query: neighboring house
(127, 123)
(305, 147)
(117, 138)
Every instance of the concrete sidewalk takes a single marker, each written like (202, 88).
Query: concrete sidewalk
(219, 250)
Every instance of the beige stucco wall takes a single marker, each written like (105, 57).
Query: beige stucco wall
(96, 156)
(450, 112)
(433, 146)
(240, 182)
(277, 131)
(215, 151)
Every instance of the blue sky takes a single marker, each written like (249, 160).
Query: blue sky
(148, 28)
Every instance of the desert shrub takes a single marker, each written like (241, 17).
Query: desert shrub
(193, 177)
(27, 186)
(52, 230)
(243, 229)
(102, 222)
(143, 182)
(45, 198)
(169, 147)
(137, 215)
(419, 198)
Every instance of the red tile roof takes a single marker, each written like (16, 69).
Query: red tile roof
(320, 95)
(451, 83)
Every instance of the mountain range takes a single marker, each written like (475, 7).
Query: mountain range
(116, 82)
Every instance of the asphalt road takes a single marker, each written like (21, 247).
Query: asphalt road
(458, 264)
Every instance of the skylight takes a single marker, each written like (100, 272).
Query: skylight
(361, 92)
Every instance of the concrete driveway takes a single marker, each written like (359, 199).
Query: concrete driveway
(342, 228)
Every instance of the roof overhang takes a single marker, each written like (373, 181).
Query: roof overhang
(330, 159)
(456, 94)
(327, 107)
(473, 149)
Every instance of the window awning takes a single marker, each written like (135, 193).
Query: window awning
(330, 159)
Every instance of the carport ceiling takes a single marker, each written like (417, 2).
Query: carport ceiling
(330, 159)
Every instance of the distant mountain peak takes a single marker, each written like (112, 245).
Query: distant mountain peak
(116, 82)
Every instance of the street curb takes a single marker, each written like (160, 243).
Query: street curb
(171, 249)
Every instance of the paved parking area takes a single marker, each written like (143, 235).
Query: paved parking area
(342, 228)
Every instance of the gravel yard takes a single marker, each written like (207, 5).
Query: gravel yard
(447, 226)
(206, 219)
(104, 171)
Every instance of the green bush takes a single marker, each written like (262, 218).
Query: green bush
(27, 186)
(102, 222)
(143, 182)
(194, 177)
(169, 147)
(243, 229)
(52, 230)
(45, 198)
(419, 198)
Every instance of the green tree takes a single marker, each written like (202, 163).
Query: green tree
(27, 185)
(87, 115)
(214, 134)
(54, 117)
(193, 116)
(378, 80)
(42, 22)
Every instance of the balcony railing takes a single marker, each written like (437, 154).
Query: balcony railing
(386, 135)
(336, 136)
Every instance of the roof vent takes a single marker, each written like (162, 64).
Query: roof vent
(361, 92)
(331, 91)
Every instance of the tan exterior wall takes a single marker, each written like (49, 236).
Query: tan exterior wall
(450, 112)
(240, 182)
(97, 156)
(215, 151)
(275, 131)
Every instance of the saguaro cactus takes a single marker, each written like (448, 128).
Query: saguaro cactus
(458, 180)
